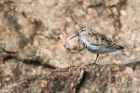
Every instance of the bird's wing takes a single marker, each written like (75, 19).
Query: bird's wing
(99, 39)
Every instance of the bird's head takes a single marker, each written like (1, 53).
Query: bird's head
(82, 32)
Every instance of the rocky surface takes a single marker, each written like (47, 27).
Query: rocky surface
(78, 79)
(34, 37)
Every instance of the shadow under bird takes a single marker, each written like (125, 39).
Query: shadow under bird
(96, 43)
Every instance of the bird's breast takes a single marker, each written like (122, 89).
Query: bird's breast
(94, 48)
(88, 45)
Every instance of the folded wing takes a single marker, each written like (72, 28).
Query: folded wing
(99, 39)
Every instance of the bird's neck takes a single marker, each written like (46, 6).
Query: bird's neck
(83, 38)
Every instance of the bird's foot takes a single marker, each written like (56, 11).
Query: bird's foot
(93, 64)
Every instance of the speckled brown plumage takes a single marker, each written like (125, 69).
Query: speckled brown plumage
(96, 42)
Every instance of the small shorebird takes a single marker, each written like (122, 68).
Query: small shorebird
(96, 43)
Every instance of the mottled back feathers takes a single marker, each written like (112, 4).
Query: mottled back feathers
(99, 39)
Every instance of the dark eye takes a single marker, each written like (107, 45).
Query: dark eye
(82, 30)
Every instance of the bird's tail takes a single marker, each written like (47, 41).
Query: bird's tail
(120, 47)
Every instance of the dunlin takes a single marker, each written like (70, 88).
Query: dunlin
(96, 43)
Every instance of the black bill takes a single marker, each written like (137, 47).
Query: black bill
(74, 36)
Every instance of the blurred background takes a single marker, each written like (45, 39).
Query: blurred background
(42, 28)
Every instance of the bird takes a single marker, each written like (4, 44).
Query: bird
(96, 42)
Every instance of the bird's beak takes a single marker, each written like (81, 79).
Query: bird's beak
(74, 36)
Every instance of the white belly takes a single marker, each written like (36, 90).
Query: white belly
(96, 49)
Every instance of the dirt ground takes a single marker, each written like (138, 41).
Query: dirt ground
(42, 28)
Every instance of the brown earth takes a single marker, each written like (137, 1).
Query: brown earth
(34, 40)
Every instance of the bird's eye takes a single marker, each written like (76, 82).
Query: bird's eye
(82, 30)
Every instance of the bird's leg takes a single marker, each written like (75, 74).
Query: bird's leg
(96, 58)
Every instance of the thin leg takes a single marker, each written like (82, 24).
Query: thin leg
(96, 58)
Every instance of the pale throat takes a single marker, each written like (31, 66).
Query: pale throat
(88, 44)
(83, 39)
